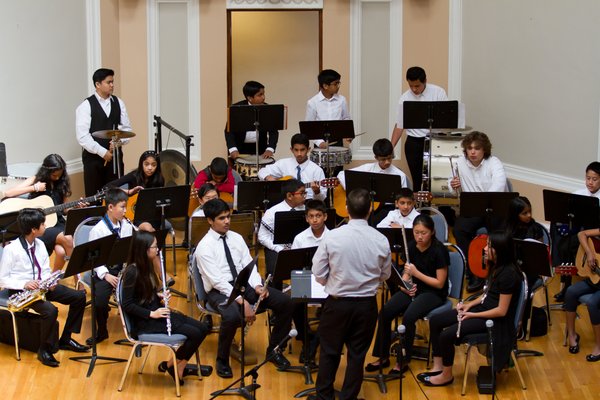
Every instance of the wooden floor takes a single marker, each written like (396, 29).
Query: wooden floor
(556, 375)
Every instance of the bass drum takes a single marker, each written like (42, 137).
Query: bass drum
(173, 166)
(443, 150)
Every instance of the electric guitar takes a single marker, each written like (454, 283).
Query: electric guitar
(581, 266)
(46, 204)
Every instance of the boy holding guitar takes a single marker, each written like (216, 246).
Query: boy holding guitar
(591, 285)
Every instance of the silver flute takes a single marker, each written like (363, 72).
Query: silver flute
(458, 317)
(164, 287)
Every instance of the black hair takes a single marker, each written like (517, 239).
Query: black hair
(291, 186)
(205, 188)
(416, 74)
(300, 138)
(214, 208)
(594, 166)
(219, 167)
(146, 281)
(427, 222)
(478, 138)
(30, 219)
(327, 76)
(316, 205)
(114, 196)
(503, 244)
(251, 88)
(101, 74)
(358, 203)
(52, 163)
(383, 148)
(157, 179)
(405, 193)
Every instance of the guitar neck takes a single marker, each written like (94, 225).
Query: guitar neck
(64, 206)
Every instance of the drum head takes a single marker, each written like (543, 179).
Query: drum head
(172, 164)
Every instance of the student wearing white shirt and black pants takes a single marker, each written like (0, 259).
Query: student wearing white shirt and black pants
(420, 90)
(351, 262)
(219, 271)
(25, 262)
(478, 171)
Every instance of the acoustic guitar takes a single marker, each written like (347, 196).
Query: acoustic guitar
(476, 257)
(581, 266)
(46, 204)
(195, 200)
(339, 200)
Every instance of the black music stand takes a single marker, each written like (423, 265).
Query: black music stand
(75, 216)
(486, 204)
(239, 289)
(9, 228)
(253, 117)
(429, 115)
(258, 195)
(330, 131)
(86, 257)
(382, 187)
(288, 224)
(572, 209)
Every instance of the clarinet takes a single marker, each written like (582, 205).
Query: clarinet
(255, 306)
(164, 287)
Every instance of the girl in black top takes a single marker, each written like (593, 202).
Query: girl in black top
(520, 222)
(498, 302)
(144, 305)
(429, 270)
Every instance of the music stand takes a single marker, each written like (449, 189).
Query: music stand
(330, 131)
(572, 209)
(288, 224)
(77, 215)
(258, 195)
(239, 289)
(429, 115)
(9, 228)
(253, 117)
(382, 187)
(86, 257)
(486, 205)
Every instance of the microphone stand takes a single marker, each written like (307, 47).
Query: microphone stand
(254, 371)
(400, 356)
(489, 325)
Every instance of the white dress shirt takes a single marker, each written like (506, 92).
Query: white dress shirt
(83, 119)
(586, 192)
(395, 216)
(352, 260)
(307, 238)
(431, 93)
(267, 225)
(320, 108)
(16, 265)
(374, 167)
(101, 230)
(489, 176)
(213, 265)
(309, 172)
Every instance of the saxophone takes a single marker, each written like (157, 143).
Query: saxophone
(20, 301)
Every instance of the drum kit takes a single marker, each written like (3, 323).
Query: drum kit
(246, 166)
(115, 136)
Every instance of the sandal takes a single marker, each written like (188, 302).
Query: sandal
(592, 357)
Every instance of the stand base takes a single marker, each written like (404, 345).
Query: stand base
(525, 353)
(93, 359)
(312, 390)
(249, 358)
(303, 369)
(381, 379)
(244, 391)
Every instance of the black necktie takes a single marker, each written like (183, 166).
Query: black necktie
(229, 258)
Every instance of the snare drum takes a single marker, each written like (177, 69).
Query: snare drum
(442, 148)
(246, 165)
(338, 155)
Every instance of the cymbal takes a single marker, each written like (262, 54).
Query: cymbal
(450, 130)
(109, 134)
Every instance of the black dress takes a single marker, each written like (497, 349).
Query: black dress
(49, 236)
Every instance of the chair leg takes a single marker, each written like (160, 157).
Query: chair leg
(514, 358)
(177, 384)
(547, 305)
(198, 365)
(16, 334)
(527, 336)
(465, 371)
(120, 388)
(145, 359)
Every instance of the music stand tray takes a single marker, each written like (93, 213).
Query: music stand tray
(250, 117)
(77, 215)
(287, 225)
(174, 200)
(430, 114)
(258, 195)
(481, 204)
(9, 228)
(383, 187)
(534, 257)
(574, 209)
(332, 130)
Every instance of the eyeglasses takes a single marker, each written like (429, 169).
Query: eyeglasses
(303, 194)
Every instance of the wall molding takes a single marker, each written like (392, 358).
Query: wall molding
(537, 177)
(455, 50)
(94, 41)
(274, 4)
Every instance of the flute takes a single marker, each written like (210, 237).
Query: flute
(459, 321)
(255, 306)
(408, 283)
(164, 287)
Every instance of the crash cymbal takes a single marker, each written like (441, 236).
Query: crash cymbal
(109, 134)
(450, 130)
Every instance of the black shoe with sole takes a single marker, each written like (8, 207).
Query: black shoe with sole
(47, 358)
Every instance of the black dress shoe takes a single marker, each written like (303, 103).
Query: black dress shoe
(73, 345)
(280, 361)
(47, 358)
(191, 369)
(372, 367)
(402, 371)
(575, 349)
(100, 337)
(224, 370)
(592, 357)
(422, 375)
(560, 296)
(171, 371)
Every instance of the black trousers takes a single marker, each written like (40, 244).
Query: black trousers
(75, 299)
(346, 321)
(281, 305)
(103, 291)
(442, 329)
(413, 310)
(95, 174)
(413, 150)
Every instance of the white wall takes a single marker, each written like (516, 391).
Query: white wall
(530, 80)
(43, 76)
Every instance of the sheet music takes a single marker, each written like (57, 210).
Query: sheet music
(317, 291)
